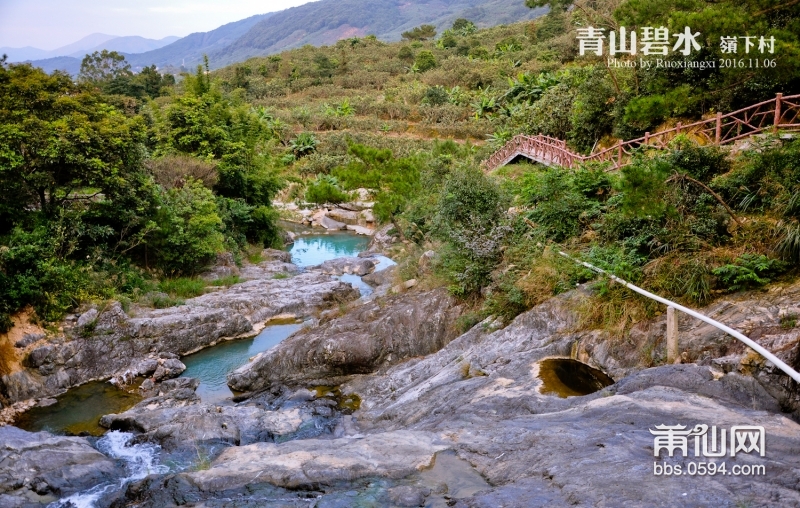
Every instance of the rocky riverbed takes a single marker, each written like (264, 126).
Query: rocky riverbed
(385, 404)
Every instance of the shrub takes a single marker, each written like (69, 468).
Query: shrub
(749, 271)
(469, 216)
(425, 61)
(406, 54)
(436, 96)
(189, 229)
(559, 209)
(325, 189)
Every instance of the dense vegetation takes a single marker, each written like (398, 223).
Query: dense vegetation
(103, 193)
(113, 187)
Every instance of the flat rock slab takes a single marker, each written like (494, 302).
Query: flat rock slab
(311, 462)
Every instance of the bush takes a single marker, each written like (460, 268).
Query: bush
(325, 189)
(749, 271)
(189, 229)
(425, 61)
(469, 216)
(436, 96)
(559, 208)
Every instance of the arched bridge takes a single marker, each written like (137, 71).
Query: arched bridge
(780, 113)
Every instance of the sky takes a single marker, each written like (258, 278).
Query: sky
(49, 24)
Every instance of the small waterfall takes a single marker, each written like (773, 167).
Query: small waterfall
(140, 460)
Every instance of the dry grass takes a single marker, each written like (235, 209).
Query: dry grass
(615, 311)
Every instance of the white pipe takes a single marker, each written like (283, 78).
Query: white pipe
(702, 317)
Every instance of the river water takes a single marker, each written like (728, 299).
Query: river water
(79, 410)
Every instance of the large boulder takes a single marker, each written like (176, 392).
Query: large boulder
(339, 266)
(362, 340)
(39, 465)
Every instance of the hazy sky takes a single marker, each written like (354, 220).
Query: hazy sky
(49, 24)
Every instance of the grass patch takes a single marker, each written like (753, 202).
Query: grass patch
(281, 275)
(255, 257)
(182, 287)
(789, 321)
(162, 302)
(229, 280)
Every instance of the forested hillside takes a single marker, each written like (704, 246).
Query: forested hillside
(119, 182)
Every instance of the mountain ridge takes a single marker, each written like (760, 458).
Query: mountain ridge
(316, 23)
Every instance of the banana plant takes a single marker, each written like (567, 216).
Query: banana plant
(484, 105)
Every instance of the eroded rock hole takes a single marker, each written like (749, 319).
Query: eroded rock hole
(568, 378)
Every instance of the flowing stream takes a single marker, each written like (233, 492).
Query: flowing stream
(212, 365)
(79, 410)
(139, 461)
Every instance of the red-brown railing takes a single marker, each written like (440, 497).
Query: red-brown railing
(778, 113)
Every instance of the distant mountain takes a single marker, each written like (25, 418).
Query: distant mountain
(189, 50)
(22, 54)
(87, 43)
(68, 64)
(60, 58)
(316, 23)
(327, 21)
(30, 53)
(130, 44)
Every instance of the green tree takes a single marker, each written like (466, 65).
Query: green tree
(67, 145)
(104, 66)
(154, 84)
(189, 229)
(420, 33)
(463, 26)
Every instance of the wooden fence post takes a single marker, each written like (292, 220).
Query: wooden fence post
(777, 120)
(619, 153)
(646, 137)
(718, 132)
(678, 128)
(672, 335)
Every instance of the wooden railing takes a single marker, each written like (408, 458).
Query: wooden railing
(778, 113)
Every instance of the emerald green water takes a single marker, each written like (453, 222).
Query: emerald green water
(310, 250)
(78, 410)
(212, 365)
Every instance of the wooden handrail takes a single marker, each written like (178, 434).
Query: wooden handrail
(778, 113)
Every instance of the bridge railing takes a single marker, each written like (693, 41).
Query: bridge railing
(778, 113)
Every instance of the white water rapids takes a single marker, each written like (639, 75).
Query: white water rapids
(140, 460)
